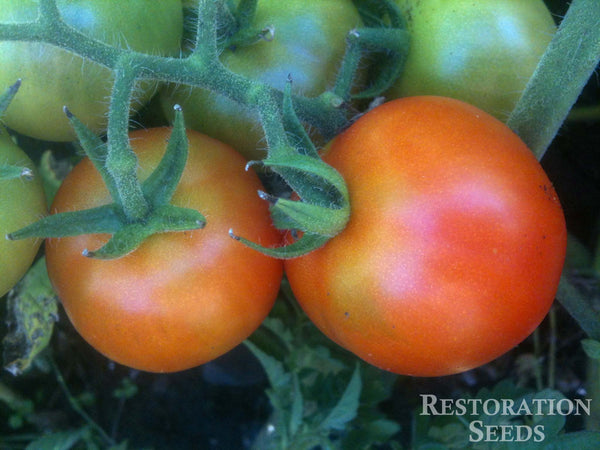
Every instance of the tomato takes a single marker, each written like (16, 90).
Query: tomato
(308, 42)
(455, 244)
(22, 201)
(180, 299)
(480, 52)
(53, 77)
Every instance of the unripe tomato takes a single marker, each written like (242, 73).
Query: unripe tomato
(22, 201)
(482, 52)
(308, 42)
(53, 78)
(181, 299)
(455, 244)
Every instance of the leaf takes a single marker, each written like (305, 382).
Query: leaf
(552, 422)
(347, 407)
(297, 412)
(591, 348)
(581, 440)
(32, 311)
(62, 440)
(276, 373)
(378, 431)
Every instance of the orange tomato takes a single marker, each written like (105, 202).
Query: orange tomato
(181, 299)
(455, 244)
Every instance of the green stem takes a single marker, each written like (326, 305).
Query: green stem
(121, 161)
(563, 71)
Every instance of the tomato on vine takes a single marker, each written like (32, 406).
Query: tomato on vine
(302, 39)
(53, 77)
(22, 201)
(455, 244)
(180, 299)
(480, 52)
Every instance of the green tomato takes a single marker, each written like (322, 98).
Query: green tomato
(22, 202)
(480, 52)
(308, 43)
(53, 78)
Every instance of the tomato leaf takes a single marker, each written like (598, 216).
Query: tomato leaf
(60, 440)
(591, 348)
(32, 311)
(346, 408)
(579, 307)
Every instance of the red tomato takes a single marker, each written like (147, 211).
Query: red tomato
(180, 299)
(455, 244)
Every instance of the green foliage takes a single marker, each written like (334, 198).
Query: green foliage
(320, 394)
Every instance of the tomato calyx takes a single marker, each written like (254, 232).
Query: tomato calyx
(385, 39)
(127, 232)
(323, 206)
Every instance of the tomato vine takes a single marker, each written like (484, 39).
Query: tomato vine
(203, 68)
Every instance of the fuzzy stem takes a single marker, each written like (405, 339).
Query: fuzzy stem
(121, 162)
(565, 68)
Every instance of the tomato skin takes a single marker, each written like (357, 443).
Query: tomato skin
(181, 299)
(53, 77)
(309, 41)
(22, 201)
(455, 244)
(480, 52)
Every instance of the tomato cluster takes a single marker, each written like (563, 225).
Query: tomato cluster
(456, 237)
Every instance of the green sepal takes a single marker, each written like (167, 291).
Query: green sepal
(393, 44)
(122, 242)
(102, 219)
(301, 166)
(307, 243)
(95, 149)
(8, 95)
(129, 237)
(160, 186)
(311, 179)
(11, 172)
(171, 218)
(379, 13)
(385, 39)
(323, 208)
(308, 217)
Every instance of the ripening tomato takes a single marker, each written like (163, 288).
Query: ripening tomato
(22, 201)
(455, 244)
(307, 41)
(481, 52)
(180, 299)
(53, 77)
